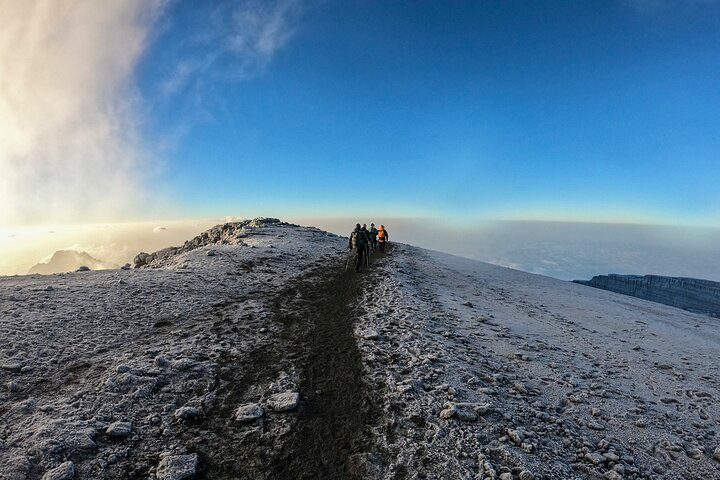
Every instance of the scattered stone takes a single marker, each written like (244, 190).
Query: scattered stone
(486, 468)
(447, 413)
(612, 475)
(370, 334)
(526, 475)
(249, 412)
(595, 426)
(611, 456)
(126, 266)
(283, 402)
(176, 467)
(595, 458)
(12, 366)
(468, 304)
(467, 412)
(66, 471)
(49, 288)
(694, 453)
(527, 447)
(187, 413)
(211, 253)
(119, 429)
(516, 436)
(716, 454)
(83, 268)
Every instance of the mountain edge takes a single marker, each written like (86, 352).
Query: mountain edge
(691, 294)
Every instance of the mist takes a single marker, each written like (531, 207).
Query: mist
(70, 114)
(110, 243)
(564, 250)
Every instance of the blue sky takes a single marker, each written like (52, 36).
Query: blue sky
(552, 110)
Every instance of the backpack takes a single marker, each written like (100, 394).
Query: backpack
(357, 237)
(381, 234)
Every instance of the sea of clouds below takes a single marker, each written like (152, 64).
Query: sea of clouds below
(570, 251)
(567, 251)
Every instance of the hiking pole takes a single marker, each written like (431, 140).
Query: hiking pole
(347, 263)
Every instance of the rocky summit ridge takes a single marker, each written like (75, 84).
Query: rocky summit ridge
(230, 233)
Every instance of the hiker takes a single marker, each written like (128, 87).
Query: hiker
(373, 236)
(383, 237)
(368, 243)
(358, 244)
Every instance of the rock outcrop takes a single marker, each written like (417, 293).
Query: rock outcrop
(226, 234)
(692, 294)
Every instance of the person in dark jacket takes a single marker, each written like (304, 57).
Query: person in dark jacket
(368, 242)
(373, 236)
(358, 244)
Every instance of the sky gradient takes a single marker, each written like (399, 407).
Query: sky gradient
(599, 111)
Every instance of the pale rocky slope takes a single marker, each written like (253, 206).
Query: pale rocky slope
(253, 354)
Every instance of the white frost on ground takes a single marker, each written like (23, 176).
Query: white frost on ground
(489, 370)
(80, 352)
(478, 371)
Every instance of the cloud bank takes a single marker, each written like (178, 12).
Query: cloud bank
(70, 114)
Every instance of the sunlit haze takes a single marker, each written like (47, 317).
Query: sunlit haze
(547, 136)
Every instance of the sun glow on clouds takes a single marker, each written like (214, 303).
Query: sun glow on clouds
(69, 113)
(74, 144)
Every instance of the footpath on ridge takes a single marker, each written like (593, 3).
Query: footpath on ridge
(331, 424)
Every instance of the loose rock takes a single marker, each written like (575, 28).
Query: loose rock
(249, 412)
(177, 467)
(119, 429)
(187, 413)
(526, 475)
(283, 402)
(65, 471)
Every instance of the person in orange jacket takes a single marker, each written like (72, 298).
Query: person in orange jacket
(383, 237)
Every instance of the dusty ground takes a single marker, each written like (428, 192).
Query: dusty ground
(427, 366)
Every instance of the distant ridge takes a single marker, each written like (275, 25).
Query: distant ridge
(69, 261)
(692, 294)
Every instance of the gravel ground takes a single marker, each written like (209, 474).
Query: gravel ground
(251, 353)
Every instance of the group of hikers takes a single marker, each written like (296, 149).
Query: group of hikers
(363, 241)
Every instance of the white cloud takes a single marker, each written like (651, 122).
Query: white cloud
(243, 37)
(70, 115)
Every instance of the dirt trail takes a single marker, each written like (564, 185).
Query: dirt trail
(313, 337)
(336, 412)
